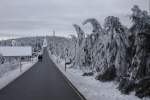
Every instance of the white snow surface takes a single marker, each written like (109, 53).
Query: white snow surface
(91, 88)
(11, 75)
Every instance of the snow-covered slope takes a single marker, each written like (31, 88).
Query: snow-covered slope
(91, 88)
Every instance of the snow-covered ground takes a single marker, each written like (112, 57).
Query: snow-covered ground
(10, 74)
(91, 88)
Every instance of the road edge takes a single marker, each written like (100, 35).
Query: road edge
(69, 82)
(17, 76)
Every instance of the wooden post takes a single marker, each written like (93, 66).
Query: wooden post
(31, 58)
(66, 51)
(65, 64)
(20, 64)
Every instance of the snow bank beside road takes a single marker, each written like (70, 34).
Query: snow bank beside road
(11, 75)
(4, 68)
(91, 88)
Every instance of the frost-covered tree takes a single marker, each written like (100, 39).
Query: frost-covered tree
(93, 40)
(80, 56)
(87, 54)
(96, 25)
(140, 20)
(140, 31)
(80, 34)
(97, 29)
(74, 47)
(116, 44)
(139, 40)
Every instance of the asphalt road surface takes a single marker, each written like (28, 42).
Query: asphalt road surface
(42, 82)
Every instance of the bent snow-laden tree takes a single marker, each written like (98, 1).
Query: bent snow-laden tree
(97, 29)
(73, 50)
(141, 32)
(140, 20)
(114, 46)
(116, 52)
(93, 40)
(117, 44)
(83, 56)
(139, 70)
(80, 34)
(79, 57)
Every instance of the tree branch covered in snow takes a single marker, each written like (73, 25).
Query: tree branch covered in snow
(114, 52)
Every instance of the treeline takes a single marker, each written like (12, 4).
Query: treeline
(115, 52)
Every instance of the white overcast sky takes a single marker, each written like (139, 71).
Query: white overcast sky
(32, 17)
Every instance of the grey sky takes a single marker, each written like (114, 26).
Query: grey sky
(42, 16)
